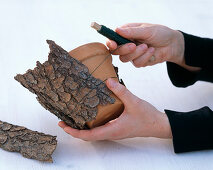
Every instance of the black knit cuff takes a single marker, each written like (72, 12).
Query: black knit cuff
(179, 76)
(198, 51)
(191, 130)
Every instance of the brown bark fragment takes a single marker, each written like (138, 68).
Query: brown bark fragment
(30, 144)
(65, 87)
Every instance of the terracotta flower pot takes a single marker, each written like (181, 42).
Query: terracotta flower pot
(93, 55)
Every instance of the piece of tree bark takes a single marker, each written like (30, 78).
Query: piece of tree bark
(65, 87)
(31, 144)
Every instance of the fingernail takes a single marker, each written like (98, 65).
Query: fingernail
(112, 83)
(122, 30)
(110, 44)
(151, 49)
(131, 46)
(143, 46)
(118, 29)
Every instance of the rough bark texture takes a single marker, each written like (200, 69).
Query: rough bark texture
(30, 144)
(65, 87)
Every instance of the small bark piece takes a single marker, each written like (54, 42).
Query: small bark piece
(31, 144)
(65, 87)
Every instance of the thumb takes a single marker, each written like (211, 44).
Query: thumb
(135, 32)
(120, 91)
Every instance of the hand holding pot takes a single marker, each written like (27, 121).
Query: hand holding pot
(139, 119)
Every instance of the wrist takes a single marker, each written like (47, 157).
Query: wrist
(178, 48)
(178, 54)
(163, 129)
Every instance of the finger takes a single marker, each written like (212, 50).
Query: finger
(135, 32)
(121, 91)
(62, 124)
(73, 132)
(112, 45)
(140, 50)
(99, 133)
(125, 49)
(130, 25)
(144, 59)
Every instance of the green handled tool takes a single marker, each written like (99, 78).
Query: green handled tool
(112, 35)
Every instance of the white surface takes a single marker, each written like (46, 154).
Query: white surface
(24, 27)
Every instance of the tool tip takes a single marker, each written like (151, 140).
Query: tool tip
(96, 26)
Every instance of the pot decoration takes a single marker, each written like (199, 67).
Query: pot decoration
(72, 85)
(99, 62)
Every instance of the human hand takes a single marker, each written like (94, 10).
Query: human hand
(151, 40)
(139, 119)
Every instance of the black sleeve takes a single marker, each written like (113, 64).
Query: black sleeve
(192, 130)
(198, 53)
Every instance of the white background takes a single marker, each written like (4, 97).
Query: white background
(24, 27)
